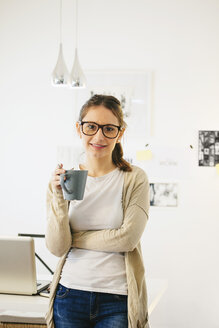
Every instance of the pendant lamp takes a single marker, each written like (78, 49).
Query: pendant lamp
(77, 78)
(60, 74)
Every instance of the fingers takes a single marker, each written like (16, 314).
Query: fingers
(56, 175)
(59, 169)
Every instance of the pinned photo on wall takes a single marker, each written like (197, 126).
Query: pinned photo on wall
(70, 156)
(134, 91)
(164, 194)
(208, 148)
(161, 162)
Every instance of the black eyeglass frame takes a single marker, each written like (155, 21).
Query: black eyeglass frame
(100, 126)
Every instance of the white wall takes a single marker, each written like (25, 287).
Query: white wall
(178, 41)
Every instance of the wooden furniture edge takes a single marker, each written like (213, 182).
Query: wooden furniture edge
(20, 325)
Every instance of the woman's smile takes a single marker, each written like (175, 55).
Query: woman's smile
(97, 146)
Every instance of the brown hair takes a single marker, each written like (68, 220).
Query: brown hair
(114, 105)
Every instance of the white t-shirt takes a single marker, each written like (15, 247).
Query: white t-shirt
(101, 208)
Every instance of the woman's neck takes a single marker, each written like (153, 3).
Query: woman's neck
(98, 167)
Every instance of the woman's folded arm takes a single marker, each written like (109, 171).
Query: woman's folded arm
(127, 237)
(124, 239)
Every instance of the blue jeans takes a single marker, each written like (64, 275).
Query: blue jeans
(81, 309)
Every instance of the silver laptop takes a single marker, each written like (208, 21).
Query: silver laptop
(18, 266)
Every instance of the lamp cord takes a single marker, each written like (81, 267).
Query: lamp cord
(76, 24)
(60, 19)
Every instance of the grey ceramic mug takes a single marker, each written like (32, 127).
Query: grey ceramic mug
(74, 185)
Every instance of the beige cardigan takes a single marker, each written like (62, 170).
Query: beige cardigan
(59, 239)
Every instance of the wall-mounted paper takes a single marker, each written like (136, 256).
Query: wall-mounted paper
(143, 155)
(69, 156)
(208, 148)
(163, 194)
(165, 162)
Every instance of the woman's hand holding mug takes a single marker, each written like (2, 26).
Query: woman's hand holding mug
(56, 176)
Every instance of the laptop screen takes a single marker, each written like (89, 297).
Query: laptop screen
(17, 265)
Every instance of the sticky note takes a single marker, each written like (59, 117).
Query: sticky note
(143, 155)
(217, 168)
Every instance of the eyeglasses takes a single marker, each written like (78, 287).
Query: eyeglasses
(110, 131)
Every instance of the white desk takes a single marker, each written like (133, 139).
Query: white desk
(32, 309)
(25, 309)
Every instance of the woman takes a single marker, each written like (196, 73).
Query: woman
(99, 281)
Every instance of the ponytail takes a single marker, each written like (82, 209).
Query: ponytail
(118, 160)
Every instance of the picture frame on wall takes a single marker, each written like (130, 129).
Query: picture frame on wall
(164, 194)
(208, 148)
(133, 89)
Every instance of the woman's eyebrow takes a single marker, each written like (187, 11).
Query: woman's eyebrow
(100, 124)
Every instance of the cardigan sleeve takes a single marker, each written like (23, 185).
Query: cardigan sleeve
(58, 233)
(127, 237)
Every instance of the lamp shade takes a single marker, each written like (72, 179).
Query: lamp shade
(60, 75)
(77, 77)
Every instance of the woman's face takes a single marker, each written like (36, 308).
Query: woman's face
(98, 145)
